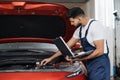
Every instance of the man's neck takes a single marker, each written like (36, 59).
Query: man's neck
(85, 21)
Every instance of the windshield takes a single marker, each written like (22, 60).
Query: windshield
(39, 26)
(28, 46)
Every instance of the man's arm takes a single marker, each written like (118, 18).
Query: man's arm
(70, 43)
(99, 44)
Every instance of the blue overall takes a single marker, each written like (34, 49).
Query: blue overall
(98, 68)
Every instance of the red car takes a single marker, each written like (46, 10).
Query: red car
(27, 31)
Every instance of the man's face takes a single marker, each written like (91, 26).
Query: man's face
(75, 21)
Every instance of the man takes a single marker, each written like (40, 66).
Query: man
(91, 34)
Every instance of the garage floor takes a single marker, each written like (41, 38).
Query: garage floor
(117, 78)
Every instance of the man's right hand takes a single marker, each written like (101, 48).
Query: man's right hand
(45, 61)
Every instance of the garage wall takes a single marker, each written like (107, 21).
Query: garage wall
(70, 5)
(88, 7)
(117, 26)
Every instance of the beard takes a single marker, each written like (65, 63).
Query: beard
(79, 25)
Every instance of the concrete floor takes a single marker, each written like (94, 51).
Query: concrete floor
(117, 78)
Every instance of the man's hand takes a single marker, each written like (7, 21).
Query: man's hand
(68, 58)
(81, 53)
(45, 61)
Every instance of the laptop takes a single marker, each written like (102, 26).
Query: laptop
(65, 50)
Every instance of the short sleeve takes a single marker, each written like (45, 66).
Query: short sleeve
(98, 31)
(76, 33)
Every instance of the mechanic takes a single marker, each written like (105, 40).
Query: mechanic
(91, 34)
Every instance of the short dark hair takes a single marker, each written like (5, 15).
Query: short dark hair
(74, 12)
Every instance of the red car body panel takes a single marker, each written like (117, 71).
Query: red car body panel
(35, 8)
(37, 76)
(8, 40)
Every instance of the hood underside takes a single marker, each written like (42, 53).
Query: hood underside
(27, 21)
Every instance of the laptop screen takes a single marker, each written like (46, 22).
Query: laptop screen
(63, 47)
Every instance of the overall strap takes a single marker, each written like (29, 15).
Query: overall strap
(88, 27)
(80, 33)
(107, 47)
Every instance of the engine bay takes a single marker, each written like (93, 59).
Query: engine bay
(27, 62)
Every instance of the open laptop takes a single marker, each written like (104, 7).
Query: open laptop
(65, 50)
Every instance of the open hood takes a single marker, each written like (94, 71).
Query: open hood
(33, 21)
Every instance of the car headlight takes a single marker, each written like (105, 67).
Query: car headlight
(76, 73)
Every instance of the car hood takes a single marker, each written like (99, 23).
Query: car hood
(17, 17)
(12, 7)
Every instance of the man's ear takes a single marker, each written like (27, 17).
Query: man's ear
(79, 17)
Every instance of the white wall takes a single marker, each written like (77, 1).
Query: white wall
(117, 7)
(90, 8)
(111, 41)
